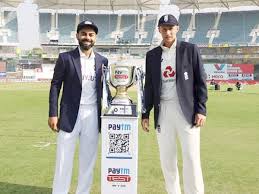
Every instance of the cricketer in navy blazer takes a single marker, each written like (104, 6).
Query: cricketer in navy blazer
(68, 72)
(190, 81)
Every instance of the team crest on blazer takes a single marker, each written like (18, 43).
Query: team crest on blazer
(186, 77)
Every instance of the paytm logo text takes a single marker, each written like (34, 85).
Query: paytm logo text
(123, 127)
(118, 171)
(118, 175)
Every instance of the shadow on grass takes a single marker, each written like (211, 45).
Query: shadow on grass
(9, 188)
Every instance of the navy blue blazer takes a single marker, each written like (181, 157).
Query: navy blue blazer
(192, 92)
(68, 72)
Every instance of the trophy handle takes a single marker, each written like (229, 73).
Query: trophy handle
(106, 91)
(141, 100)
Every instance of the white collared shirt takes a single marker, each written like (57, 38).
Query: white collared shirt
(168, 72)
(88, 95)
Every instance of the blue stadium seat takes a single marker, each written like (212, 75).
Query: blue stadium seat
(204, 22)
(106, 24)
(11, 24)
(45, 26)
(128, 26)
(184, 21)
(66, 24)
(232, 28)
(251, 21)
(149, 27)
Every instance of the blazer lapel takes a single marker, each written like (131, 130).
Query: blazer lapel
(157, 66)
(178, 58)
(98, 68)
(77, 64)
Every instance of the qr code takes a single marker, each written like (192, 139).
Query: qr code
(118, 143)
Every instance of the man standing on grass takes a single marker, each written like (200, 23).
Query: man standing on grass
(175, 86)
(80, 72)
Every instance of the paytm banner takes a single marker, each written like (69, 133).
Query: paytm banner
(229, 71)
(119, 155)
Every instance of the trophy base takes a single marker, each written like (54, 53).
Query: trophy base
(122, 110)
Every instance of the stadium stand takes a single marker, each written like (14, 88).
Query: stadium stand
(45, 26)
(242, 24)
(132, 33)
(107, 24)
(10, 18)
(149, 27)
(252, 22)
(66, 25)
(128, 27)
(234, 27)
(184, 21)
(204, 22)
(233, 34)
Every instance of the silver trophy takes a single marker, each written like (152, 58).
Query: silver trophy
(122, 76)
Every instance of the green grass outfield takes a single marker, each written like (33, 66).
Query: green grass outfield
(229, 144)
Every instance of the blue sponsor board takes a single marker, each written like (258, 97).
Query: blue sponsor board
(247, 77)
(2, 74)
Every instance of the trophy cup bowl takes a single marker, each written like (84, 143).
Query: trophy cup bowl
(121, 77)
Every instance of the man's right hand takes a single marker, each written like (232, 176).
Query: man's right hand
(53, 122)
(145, 124)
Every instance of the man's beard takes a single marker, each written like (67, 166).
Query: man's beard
(85, 47)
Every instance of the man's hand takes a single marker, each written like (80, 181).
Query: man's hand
(52, 122)
(199, 120)
(145, 124)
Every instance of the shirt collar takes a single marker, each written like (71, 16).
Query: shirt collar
(166, 48)
(92, 55)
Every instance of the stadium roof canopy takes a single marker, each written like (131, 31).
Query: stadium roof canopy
(141, 5)
(201, 4)
(90, 4)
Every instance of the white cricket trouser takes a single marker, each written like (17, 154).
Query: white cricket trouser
(86, 131)
(174, 125)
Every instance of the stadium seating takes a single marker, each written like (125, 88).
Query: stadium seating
(234, 27)
(66, 24)
(251, 21)
(184, 21)
(231, 28)
(128, 27)
(45, 26)
(106, 23)
(149, 27)
(241, 24)
(204, 22)
(11, 24)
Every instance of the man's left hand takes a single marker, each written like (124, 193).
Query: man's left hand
(199, 120)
